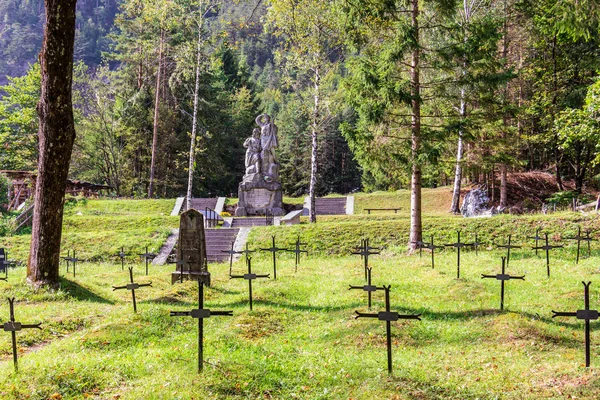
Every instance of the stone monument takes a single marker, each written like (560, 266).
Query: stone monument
(191, 249)
(260, 190)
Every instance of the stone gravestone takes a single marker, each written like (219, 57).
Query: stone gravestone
(191, 249)
(260, 190)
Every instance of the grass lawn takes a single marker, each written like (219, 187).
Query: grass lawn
(301, 340)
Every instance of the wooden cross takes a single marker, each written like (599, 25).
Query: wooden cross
(70, 259)
(249, 277)
(12, 326)
(458, 245)
(122, 256)
(585, 314)
(132, 286)
(547, 248)
(148, 257)
(421, 245)
(475, 245)
(365, 251)
(369, 288)
(4, 264)
(298, 251)
(387, 316)
(432, 247)
(537, 238)
(508, 247)
(231, 253)
(246, 253)
(274, 249)
(200, 313)
(580, 239)
(503, 277)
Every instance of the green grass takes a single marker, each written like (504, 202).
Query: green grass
(97, 229)
(302, 341)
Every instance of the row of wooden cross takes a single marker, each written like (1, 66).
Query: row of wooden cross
(72, 260)
(365, 250)
(508, 246)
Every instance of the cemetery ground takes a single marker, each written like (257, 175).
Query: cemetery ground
(301, 340)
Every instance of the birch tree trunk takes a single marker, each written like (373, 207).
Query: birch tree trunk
(455, 207)
(56, 137)
(155, 124)
(314, 148)
(415, 190)
(188, 195)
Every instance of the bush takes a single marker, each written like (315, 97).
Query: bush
(4, 186)
(566, 198)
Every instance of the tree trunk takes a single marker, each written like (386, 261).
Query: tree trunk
(455, 207)
(503, 168)
(415, 193)
(188, 195)
(56, 137)
(314, 148)
(155, 127)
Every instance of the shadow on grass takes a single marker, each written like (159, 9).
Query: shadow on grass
(294, 306)
(79, 292)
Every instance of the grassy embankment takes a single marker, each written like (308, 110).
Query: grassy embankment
(301, 340)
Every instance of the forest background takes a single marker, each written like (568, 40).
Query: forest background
(504, 86)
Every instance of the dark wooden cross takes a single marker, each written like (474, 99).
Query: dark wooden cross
(537, 238)
(458, 245)
(231, 253)
(475, 245)
(432, 247)
(387, 316)
(132, 286)
(249, 277)
(180, 263)
(547, 248)
(4, 264)
(200, 313)
(246, 253)
(298, 251)
(580, 239)
(508, 246)
(147, 257)
(503, 277)
(12, 326)
(421, 245)
(274, 249)
(369, 288)
(365, 251)
(70, 259)
(585, 314)
(122, 256)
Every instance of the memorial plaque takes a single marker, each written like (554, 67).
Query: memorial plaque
(192, 248)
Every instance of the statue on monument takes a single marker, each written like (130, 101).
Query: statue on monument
(253, 160)
(260, 154)
(260, 190)
(268, 142)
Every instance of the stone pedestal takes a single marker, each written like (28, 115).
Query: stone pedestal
(259, 197)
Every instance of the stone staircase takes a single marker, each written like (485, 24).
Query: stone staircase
(201, 203)
(248, 222)
(217, 240)
(329, 206)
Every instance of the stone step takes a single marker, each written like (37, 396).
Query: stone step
(201, 203)
(247, 222)
(217, 240)
(329, 206)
